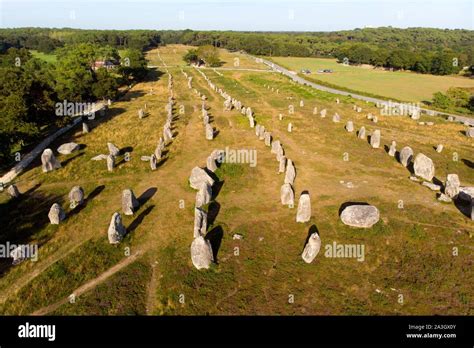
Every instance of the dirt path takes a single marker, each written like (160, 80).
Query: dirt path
(90, 284)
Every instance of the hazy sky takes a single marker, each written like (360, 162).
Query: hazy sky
(251, 15)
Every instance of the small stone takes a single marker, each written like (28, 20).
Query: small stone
(153, 162)
(312, 247)
(304, 208)
(375, 139)
(129, 202)
(290, 127)
(287, 195)
(439, 148)
(431, 186)
(361, 133)
(85, 128)
(113, 150)
(76, 196)
(49, 161)
(349, 126)
(414, 178)
(406, 156)
(268, 138)
(56, 214)
(393, 149)
(13, 191)
(68, 148)
(336, 118)
(443, 198)
(236, 236)
(452, 186)
(99, 158)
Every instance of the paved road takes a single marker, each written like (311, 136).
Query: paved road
(300, 80)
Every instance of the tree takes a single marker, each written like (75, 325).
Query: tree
(441, 101)
(209, 54)
(105, 86)
(191, 57)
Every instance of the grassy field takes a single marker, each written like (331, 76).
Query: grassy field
(406, 86)
(50, 58)
(408, 253)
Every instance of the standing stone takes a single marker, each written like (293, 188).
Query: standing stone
(110, 163)
(315, 110)
(68, 148)
(282, 165)
(451, 188)
(363, 216)
(204, 195)
(209, 132)
(337, 101)
(361, 133)
(261, 134)
(311, 249)
(323, 113)
(393, 149)
(56, 214)
(201, 253)
(439, 148)
(275, 145)
(257, 130)
(13, 191)
(304, 208)
(470, 132)
(158, 152)
(211, 163)
(301, 103)
(287, 195)
(290, 127)
(113, 150)
(141, 113)
(336, 118)
(406, 156)
(268, 138)
(198, 177)
(129, 202)
(153, 162)
(116, 230)
(200, 222)
(290, 173)
(49, 161)
(375, 139)
(424, 167)
(280, 117)
(251, 121)
(76, 197)
(85, 128)
(350, 126)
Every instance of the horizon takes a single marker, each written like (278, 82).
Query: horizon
(237, 15)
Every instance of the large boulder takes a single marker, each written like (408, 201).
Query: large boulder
(68, 148)
(364, 216)
(116, 230)
(312, 248)
(49, 161)
(304, 208)
(201, 253)
(199, 177)
(200, 222)
(406, 156)
(424, 167)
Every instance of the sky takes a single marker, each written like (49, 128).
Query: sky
(239, 15)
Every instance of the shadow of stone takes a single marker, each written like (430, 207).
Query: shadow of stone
(463, 206)
(215, 236)
(70, 159)
(215, 133)
(468, 163)
(347, 204)
(436, 181)
(216, 188)
(145, 196)
(139, 219)
(212, 212)
(126, 149)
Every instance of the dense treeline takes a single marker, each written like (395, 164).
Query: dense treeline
(423, 50)
(47, 40)
(30, 87)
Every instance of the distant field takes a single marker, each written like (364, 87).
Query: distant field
(399, 85)
(50, 58)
